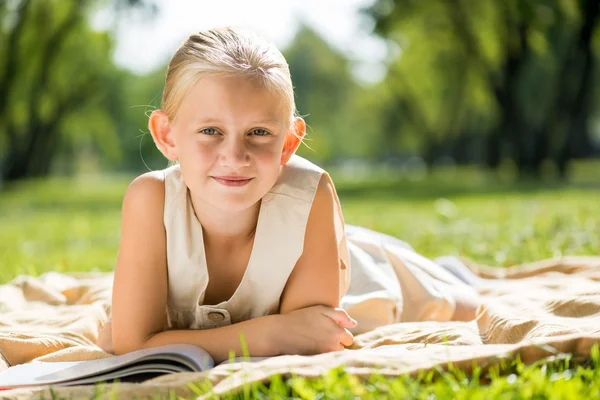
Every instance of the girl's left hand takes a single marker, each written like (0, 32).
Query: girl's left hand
(313, 330)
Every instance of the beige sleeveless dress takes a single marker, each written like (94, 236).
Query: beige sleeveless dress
(383, 280)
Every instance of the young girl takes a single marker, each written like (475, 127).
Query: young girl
(243, 237)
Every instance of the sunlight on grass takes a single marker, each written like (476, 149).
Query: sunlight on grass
(60, 225)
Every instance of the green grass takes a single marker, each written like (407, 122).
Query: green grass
(60, 225)
(555, 379)
(73, 225)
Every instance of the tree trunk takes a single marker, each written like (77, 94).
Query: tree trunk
(30, 153)
(510, 129)
(577, 142)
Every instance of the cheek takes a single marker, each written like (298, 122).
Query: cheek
(267, 151)
(203, 151)
(199, 149)
(197, 158)
(268, 160)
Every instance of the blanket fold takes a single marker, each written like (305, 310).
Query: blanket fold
(531, 311)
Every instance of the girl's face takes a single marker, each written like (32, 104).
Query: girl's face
(229, 135)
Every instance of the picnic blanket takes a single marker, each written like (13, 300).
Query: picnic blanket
(531, 311)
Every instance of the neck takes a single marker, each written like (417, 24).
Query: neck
(226, 226)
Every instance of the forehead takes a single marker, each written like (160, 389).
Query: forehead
(234, 98)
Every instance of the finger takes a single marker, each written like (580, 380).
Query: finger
(347, 339)
(340, 317)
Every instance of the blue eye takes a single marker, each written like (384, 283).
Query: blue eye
(260, 132)
(209, 131)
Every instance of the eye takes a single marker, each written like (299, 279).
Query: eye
(260, 132)
(209, 131)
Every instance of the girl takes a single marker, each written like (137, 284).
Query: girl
(243, 237)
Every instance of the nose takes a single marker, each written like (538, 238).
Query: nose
(234, 154)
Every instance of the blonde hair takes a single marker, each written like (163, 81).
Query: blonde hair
(226, 52)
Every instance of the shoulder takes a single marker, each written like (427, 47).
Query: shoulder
(325, 196)
(324, 211)
(146, 184)
(146, 191)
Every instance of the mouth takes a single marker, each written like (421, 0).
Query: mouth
(232, 180)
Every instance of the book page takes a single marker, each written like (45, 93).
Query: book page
(191, 358)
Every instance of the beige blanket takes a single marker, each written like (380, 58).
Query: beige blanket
(534, 311)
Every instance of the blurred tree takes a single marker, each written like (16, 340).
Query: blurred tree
(512, 75)
(325, 96)
(141, 95)
(55, 71)
(575, 85)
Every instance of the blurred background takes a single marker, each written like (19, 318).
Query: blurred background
(399, 87)
(465, 127)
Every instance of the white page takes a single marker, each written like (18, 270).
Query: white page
(27, 373)
(42, 373)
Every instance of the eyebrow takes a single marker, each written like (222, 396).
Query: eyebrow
(269, 121)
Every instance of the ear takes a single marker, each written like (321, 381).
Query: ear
(162, 134)
(293, 139)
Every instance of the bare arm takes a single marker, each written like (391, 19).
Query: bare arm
(219, 342)
(319, 277)
(140, 286)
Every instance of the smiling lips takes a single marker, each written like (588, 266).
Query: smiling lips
(232, 180)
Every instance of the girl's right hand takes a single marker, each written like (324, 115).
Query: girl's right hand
(314, 330)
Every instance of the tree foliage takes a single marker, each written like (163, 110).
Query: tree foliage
(56, 83)
(514, 77)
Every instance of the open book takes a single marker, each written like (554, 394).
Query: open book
(136, 366)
